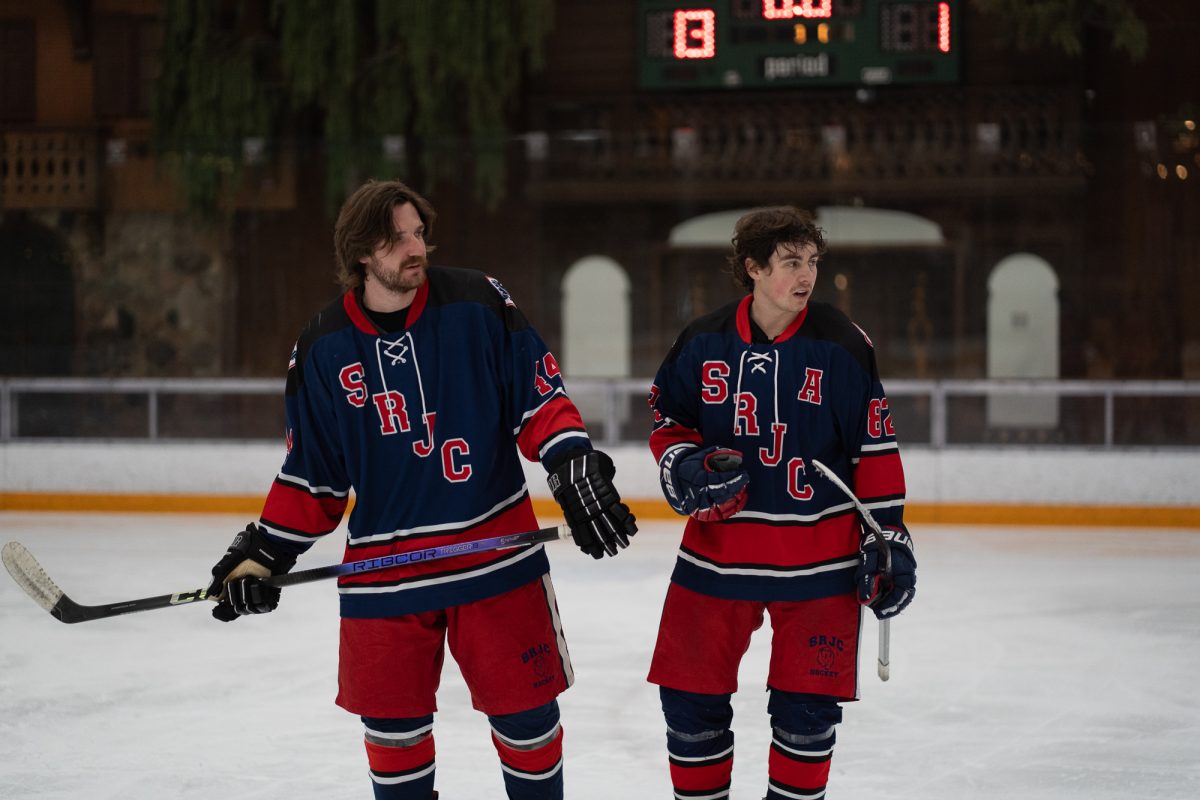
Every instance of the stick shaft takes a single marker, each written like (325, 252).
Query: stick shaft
(30, 576)
(419, 556)
(885, 552)
(883, 665)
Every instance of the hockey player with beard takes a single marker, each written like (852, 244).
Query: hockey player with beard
(420, 389)
(747, 398)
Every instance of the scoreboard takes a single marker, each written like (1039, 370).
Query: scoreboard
(730, 44)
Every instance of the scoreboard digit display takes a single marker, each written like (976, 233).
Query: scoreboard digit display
(730, 44)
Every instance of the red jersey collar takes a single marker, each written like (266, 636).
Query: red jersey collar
(743, 322)
(352, 302)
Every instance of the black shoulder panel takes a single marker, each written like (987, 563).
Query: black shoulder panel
(455, 285)
(723, 321)
(332, 317)
(829, 323)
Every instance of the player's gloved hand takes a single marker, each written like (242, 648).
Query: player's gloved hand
(706, 483)
(886, 595)
(582, 484)
(236, 577)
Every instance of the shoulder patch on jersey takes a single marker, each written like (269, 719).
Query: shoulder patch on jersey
(504, 295)
(452, 285)
(292, 357)
(864, 334)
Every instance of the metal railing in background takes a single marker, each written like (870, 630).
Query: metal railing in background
(140, 408)
(936, 414)
(1057, 412)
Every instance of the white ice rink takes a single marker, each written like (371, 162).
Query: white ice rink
(1036, 663)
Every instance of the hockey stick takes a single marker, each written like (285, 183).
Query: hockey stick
(885, 558)
(30, 576)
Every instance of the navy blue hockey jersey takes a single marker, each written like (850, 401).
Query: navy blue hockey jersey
(812, 393)
(427, 426)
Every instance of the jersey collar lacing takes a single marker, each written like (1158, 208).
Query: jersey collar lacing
(758, 360)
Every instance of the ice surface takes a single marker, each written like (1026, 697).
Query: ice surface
(1039, 663)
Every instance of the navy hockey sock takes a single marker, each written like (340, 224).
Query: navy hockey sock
(400, 755)
(530, 747)
(802, 727)
(699, 742)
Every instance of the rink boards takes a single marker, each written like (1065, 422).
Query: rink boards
(1001, 486)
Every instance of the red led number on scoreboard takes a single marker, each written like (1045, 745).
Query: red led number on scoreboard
(695, 33)
(786, 9)
(943, 27)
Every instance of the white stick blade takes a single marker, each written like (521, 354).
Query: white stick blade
(30, 576)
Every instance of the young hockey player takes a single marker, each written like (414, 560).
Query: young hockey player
(419, 389)
(747, 397)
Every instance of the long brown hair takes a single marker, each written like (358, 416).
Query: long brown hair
(365, 222)
(759, 231)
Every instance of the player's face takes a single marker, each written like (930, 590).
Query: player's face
(399, 268)
(786, 283)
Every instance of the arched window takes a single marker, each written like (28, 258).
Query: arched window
(595, 319)
(1022, 339)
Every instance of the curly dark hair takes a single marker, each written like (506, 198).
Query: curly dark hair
(760, 231)
(365, 222)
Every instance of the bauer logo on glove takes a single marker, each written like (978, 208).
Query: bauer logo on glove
(887, 591)
(706, 483)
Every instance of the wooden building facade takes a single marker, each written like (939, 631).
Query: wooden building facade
(1085, 164)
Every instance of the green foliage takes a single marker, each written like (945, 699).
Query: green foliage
(210, 95)
(1061, 23)
(443, 75)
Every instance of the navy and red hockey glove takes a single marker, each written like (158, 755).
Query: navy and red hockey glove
(236, 583)
(708, 484)
(582, 484)
(887, 594)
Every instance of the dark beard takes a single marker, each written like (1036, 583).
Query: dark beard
(395, 282)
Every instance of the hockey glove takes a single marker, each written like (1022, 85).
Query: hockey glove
(600, 523)
(708, 484)
(235, 582)
(887, 595)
